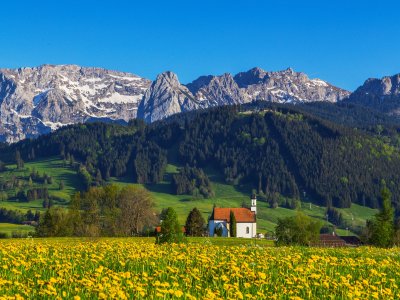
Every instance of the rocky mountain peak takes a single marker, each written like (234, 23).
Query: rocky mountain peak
(253, 76)
(56, 95)
(289, 71)
(386, 86)
(166, 96)
(217, 90)
(36, 100)
(167, 77)
(380, 94)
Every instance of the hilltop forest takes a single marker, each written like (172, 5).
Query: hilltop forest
(286, 150)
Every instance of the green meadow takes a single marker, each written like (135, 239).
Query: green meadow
(226, 195)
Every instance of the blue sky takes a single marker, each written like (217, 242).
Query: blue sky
(343, 42)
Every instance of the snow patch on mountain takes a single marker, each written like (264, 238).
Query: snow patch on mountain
(54, 96)
(167, 97)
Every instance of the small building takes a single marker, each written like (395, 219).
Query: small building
(246, 221)
(329, 240)
(351, 241)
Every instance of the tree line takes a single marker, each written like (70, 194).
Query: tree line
(280, 151)
(192, 181)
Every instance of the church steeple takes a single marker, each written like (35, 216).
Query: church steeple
(254, 203)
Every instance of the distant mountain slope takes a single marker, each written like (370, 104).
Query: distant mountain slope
(34, 101)
(380, 94)
(280, 151)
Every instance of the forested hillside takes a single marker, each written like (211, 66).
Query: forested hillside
(278, 150)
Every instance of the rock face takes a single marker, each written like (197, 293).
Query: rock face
(218, 90)
(380, 94)
(385, 86)
(167, 96)
(34, 101)
(287, 86)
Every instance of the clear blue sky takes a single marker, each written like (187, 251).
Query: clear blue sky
(344, 42)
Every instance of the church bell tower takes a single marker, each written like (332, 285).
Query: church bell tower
(253, 203)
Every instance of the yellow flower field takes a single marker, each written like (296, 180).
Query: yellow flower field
(137, 268)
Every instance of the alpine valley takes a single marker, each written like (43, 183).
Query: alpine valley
(299, 143)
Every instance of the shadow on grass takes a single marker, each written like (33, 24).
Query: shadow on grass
(126, 179)
(72, 180)
(216, 176)
(163, 187)
(189, 199)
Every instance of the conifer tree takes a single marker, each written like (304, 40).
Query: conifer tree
(232, 224)
(381, 228)
(195, 223)
(19, 161)
(171, 231)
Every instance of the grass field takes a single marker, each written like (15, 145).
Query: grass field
(225, 196)
(137, 268)
(9, 228)
(233, 196)
(52, 167)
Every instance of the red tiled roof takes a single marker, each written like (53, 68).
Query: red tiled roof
(242, 215)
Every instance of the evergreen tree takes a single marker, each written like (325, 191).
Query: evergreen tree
(232, 224)
(29, 215)
(195, 223)
(55, 222)
(46, 225)
(45, 203)
(85, 176)
(171, 231)
(334, 216)
(21, 196)
(99, 179)
(33, 156)
(381, 228)
(18, 160)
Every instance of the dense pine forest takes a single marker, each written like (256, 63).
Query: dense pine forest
(297, 152)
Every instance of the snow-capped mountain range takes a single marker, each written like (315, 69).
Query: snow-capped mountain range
(38, 100)
(167, 96)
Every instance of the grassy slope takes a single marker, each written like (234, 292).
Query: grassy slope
(9, 228)
(225, 196)
(52, 167)
(233, 196)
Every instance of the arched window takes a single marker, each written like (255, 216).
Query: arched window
(247, 229)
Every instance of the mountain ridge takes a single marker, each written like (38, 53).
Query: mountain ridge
(285, 86)
(380, 94)
(38, 100)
